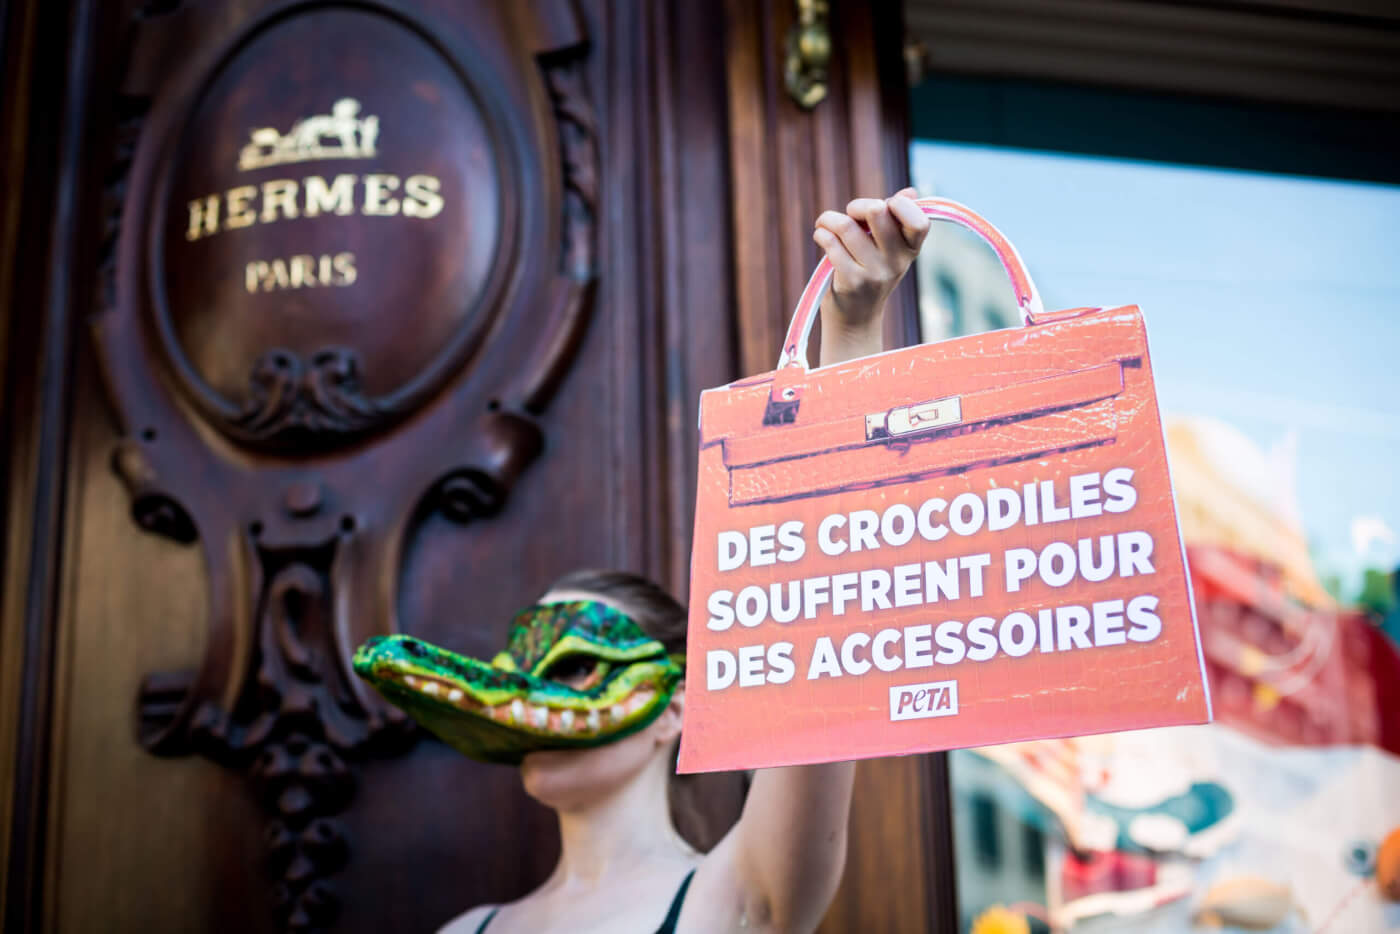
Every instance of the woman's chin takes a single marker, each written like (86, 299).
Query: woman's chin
(551, 760)
(571, 778)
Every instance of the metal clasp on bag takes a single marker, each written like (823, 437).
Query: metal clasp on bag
(914, 419)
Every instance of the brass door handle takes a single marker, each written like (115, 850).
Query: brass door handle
(808, 53)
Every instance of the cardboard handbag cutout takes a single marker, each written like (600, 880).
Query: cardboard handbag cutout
(955, 544)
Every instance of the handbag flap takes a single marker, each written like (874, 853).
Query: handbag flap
(950, 414)
(914, 391)
(999, 442)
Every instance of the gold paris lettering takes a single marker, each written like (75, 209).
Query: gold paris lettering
(299, 272)
(373, 194)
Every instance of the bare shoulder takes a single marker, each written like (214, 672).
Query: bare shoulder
(469, 922)
(779, 866)
(718, 898)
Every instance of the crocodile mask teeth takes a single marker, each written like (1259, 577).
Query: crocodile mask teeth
(573, 675)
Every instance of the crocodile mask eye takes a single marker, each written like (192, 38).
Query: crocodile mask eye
(580, 672)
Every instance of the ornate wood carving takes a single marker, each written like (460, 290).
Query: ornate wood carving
(297, 401)
(151, 509)
(296, 728)
(578, 152)
(578, 139)
(368, 401)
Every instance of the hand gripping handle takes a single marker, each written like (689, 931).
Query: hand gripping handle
(1027, 298)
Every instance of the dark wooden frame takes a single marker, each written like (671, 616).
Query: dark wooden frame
(54, 61)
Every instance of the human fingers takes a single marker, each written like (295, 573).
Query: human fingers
(875, 214)
(853, 237)
(841, 260)
(913, 222)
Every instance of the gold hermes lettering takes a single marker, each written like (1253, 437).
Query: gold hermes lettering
(204, 217)
(421, 197)
(282, 199)
(237, 201)
(376, 188)
(338, 198)
(279, 193)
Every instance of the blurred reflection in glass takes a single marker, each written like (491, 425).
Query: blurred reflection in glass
(1273, 304)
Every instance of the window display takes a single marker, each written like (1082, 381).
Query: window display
(1270, 304)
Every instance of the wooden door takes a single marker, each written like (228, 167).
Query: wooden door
(326, 320)
(376, 317)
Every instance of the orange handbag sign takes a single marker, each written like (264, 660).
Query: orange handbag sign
(954, 544)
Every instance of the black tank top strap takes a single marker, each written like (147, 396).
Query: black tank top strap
(669, 925)
(487, 920)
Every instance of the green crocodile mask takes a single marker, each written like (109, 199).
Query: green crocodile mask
(573, 675)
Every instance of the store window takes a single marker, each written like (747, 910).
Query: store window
(1272, 300)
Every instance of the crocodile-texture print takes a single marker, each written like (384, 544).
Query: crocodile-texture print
(871, 384)
(956, 449)
(1017, 402)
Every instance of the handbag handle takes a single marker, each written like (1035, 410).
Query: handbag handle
(1027, 298)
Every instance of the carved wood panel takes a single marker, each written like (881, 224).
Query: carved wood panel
(268, 314)
(389, 318)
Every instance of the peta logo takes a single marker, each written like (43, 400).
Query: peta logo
(917, 701)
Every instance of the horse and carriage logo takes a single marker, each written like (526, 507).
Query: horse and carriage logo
(340, 134)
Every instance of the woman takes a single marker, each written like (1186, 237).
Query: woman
(623, 866)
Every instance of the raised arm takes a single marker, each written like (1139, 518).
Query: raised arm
(868, 267)
(786, 854)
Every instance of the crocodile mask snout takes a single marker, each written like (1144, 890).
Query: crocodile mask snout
(572, 675)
